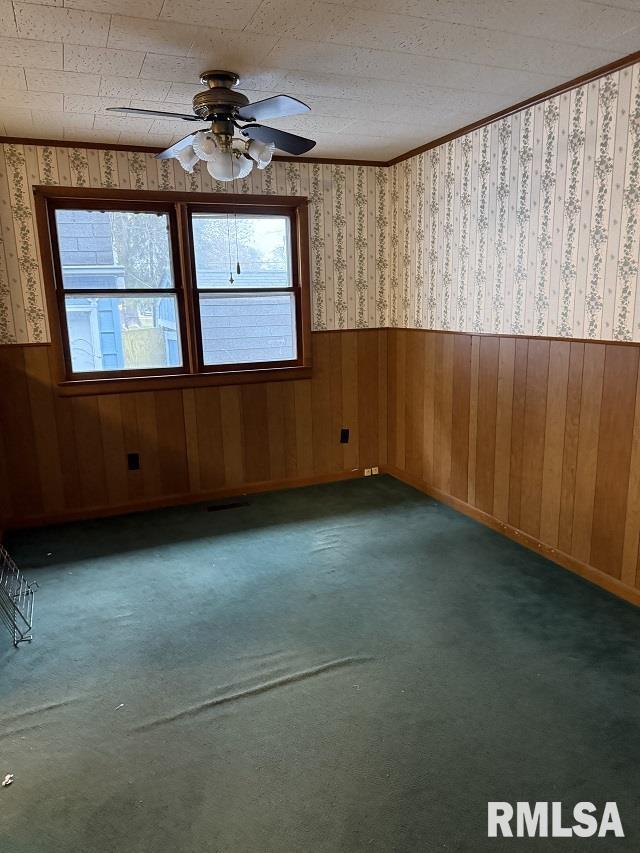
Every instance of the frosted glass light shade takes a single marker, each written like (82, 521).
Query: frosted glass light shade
(187, 158)
(245, 165)
(204, 146)
(262, 152)
(226, 167)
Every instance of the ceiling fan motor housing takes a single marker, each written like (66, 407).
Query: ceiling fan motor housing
(219, 100)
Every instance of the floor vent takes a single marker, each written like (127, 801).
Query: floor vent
(228, 505)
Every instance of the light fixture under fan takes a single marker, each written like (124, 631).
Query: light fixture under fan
(227, 155)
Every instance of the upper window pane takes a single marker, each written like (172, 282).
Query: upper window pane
(114, 249)
(260, 244)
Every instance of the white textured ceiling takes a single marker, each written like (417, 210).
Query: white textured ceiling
(381, 77)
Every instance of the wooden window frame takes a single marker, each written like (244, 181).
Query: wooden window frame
(179, 207)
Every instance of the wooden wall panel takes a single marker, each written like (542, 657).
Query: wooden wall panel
(587, 459)
(553, 431)
(5, 496)
(256, 451)
(518, 406)
(36, 364)
(277, 437)
(113, 448)
(209, 436)
(485, 428)
(473, 417)
(232, 437)
(570, 447)
(149, 438)
(397, 397)
(129, 414)
(428, 408)
(414, 409)
(67, 456)
(617, 412)
(383, 391)
(630, 566)
(172, 450)
(18, 431)
(504, 417)
(535, 412)
(555, 424)
(443, 411)
(350, 367)
(305, 462)
(460, 415)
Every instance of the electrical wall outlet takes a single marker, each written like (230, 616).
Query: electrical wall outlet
(375, 470)
(367, 472)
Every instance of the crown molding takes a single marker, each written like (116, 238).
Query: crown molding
(331, 161)
(602, 71)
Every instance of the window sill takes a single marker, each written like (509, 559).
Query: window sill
(176, 381)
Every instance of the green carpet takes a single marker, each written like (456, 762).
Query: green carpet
(349, 667)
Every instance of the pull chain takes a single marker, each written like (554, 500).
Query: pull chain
(229, 249)
(235, 223)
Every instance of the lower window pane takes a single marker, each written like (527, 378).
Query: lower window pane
(123, 332)
(250, 328)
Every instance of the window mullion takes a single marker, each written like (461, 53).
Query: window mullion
(187, 280)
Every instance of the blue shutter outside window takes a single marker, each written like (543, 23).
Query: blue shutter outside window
(110, 334)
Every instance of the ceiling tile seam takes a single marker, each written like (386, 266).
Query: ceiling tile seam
(247, 25)
(106, 44)
(608, 5)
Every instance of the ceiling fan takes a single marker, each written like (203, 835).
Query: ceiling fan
(225, 153)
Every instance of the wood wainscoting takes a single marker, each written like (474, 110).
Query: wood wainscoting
(537, 438)
(66, 457)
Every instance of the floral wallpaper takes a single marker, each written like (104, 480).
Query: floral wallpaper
(348, 221)
(528, 226)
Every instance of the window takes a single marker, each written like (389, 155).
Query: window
(158, 286)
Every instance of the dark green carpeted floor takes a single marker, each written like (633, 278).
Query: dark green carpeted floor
(350, 667)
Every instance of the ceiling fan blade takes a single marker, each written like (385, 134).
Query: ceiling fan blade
(136, 111)
(176, 147)
(279, 106)
(288, 142)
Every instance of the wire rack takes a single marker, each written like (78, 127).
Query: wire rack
(16, 599)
